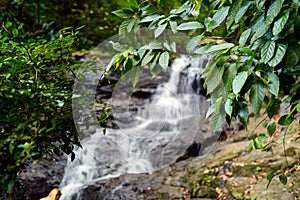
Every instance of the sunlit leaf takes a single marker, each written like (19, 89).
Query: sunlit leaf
(274, 85)
(280, 52)
(189, 26)
(164, 60)
(239, 82)
(279, 24)
(244, 37)
(267, 51)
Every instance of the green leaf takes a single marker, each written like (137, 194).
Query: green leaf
(193, 43)
(292, 56)
(280, 52)
(148, 57)
(123, 13)
(228, 107)
(135, 77)
(242, 11)
(258, 142)
(219, 47)
(149, 18)
(243, 113)
(130, 25)
(173, 25)
(239, 81)
(273, 11)
(250, 146)
(189, 26)
(220, 15)
(283, 179)
(154, 67)
(123, 27)
(256, 97)
(15, 32)
(160, 30)
(260, 28)
(218, 117)
(285, 120)
(273, 106)
(244, 37)
(8, 24)
(267, 51)
(271, 129)
(274, 85)
(279, 24)
(232, 12)
(270, 176)
(164, 60)
(229, 76)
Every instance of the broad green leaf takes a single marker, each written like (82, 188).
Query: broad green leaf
(283, 179)
(256, 97)
(220, 15)
(173, 25)
(154, 67)
(270, 176)
(149, 10)
(244, 37)
(228, 107)
(250, 146)
(285, 120)
(167, 46)
(271, 129)
(193, 43)
(267, 51)
(148, 57)
(260, 28)
(279, 24)
(123, 27)
(211, 109)
(273, 11)
(130, 25)
(160, 30)
(219, 47)
(213, 78)
(242, 11)
(135, 76)
(164, 60)
(133, 4)
(229, 75)
(189, 26)
(15, 32)
(273, 106)
(292, 56)
(8, 24)
(274, 85)
(280, 52)
(234, 8)
(218, 117)
(239, 81)
(243, 113)
(173, 46)
(123, 13)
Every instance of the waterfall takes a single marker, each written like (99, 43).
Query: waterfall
(166, 126)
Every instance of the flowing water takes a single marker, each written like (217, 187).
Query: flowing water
(162, 129)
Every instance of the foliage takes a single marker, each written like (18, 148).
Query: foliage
(44, 18)
(35, 99)
(254, 51)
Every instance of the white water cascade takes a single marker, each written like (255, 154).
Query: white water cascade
(164, 129)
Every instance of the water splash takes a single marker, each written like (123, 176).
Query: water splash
(165, 127)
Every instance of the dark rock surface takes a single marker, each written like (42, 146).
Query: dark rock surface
(39, 179)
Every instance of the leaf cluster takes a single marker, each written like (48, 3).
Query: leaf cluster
(35, 99)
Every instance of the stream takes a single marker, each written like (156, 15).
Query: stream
(155, 135)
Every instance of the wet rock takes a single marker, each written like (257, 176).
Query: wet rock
(39, 179)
